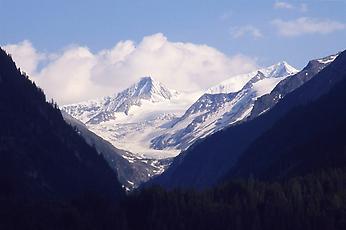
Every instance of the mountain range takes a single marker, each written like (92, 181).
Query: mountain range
(153, 123)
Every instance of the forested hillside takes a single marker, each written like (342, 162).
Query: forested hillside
(50, 178)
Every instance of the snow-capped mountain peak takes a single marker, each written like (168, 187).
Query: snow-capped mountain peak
(149, 89)
(281, 69)
(108, 108)
(145, 89)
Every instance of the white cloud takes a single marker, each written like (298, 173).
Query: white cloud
(304, 25)
(76, 74)
(25, 55)
(288, 6)
(283, 5)
(239, 32)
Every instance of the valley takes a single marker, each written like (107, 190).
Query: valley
(153, 123)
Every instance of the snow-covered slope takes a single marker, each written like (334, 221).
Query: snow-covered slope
(131, 173)
(213, 112)
(328, 59)
(131, 118)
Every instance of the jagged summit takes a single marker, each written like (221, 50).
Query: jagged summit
(281, 69)
(105, 109)
(148, 88)
(145, 89)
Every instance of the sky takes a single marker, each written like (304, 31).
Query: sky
(79, 50)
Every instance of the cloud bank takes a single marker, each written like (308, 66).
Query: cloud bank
(77, 74)
(304, 25)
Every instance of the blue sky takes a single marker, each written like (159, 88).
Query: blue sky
(51, 25)
(266, 31)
